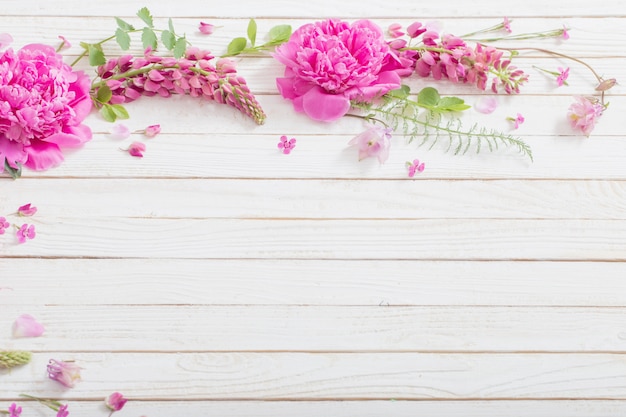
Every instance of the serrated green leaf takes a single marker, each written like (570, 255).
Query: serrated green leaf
(401, 93)
(96, 56)
(15, 173)
(149, 38)
(104, 94)
(180, 48)
(144, 14)
(124, 25)
(107, 113)
(280, 33)
(122, 38)
(168, 39)
(120, 111)
(170, 25)
(236, 46)
(428, 97)
(252, 31)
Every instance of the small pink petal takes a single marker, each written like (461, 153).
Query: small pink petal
(137, 149)
(5, 40)
(152, 130)
(26, 210)
(26, 326)
(486, 105)
(120, 131)
(65, 44)
(206, 28)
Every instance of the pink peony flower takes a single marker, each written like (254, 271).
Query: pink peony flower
(115, 401)
(43, 103)
(331, 62)
(66, 373)
(26, 326)
(583, 114)
(375, 141)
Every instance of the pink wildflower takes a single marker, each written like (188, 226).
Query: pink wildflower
(486, 105)
(206, 28)
(506, 24)
(26, 326)
(137, 149)
(395, 30)
(44, 102)
(286, 145)
(152, 130)
(14, 410)
(415, 29)
(375, 141)
(63, 411)
(120, 131)
(330, 63)
(26, 210)
(115, 401)
(565, 33)
(66, 373)
(517, 121)
(562, 77)
(65, 44)
(5, 40)
(25, 232)
(4, 224)
(414, 167)
(583, 114)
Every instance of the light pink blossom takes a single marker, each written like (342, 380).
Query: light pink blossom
(486, 105)
(26, 210)
(331, 62)
(565, 33)
(43, 103)
(506, 24)
(415, 29)
(286, 145)
(395, 30)
(25, 232)
(26, 326)
(583, 114)
(4, 224)
(152, 130)
(14, 410)
(115, 401)
(66, 373)
(374, 142)
(517, 120)
(415, 166)
(206, 28)
(137, 149)
(120, 131)
(561, 79)
(5, 40)
(63, 411)
(65, 44)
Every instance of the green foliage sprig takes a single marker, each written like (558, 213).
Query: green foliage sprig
(277, 35)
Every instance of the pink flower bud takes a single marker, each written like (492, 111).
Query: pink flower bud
(115, 401)
(152, 130)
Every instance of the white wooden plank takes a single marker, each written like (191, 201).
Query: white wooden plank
(320, 329)
(300, 282)
(445, 239)
(263, 376)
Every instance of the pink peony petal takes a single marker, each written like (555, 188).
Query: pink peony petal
(43, 155)
(322, 106)
(486, 105)
(26, 326)
(5, 40)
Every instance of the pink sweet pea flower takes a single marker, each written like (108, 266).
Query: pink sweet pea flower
(517, 121)
(66, 373)
(375, 141)
(137, 149)
(115, 401)
(26, 326)
(26, 210)
(63, 411)
(25, 232)
(330, 63)
(415, 29)
(152, 130)
(395, 30)
(206, 28)
(583, 114)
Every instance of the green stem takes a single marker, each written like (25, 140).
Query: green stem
(521, 37)
(143, 70)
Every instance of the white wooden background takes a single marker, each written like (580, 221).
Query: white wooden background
(217, 276)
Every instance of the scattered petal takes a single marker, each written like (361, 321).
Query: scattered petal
(375, 141)
(115, 401)
(206, 28)
(152, 130)
(414, 167)
(286, 145)
(5, 40)
(65, 44)
(486, 105)
(120, 131)
(63, 411)
(137, 149)
(66, 373)
(26, 210)
(25, 232)
(26, 326)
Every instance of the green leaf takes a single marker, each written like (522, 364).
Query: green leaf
(168, 39)
(280, 34)
(104, 94)
(15, 173)
(144, 14)
(124, 25)
(236, 46)
(120, 111)
(96, 56)
(452, 104)
(149, 39)
(401, 93)
(107, 113)
(170, 24)
(122, 38)
(252, 31)
(428, 97)
(180, 48)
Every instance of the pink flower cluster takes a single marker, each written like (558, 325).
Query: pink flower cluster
(25, 231)
(131, 77)
(43, 103)
(330, 63)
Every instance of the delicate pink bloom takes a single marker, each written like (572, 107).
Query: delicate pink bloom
(414, 167)
(152, 130)
(5, 40)
(286, 145)
(137, 149)
(66, 373)
(26, 326)
(565, 33)
(65, 44)
(583, 114)
(486, 105)
(26, 210)
(43, 103)
(415, 29)
(120, 131)
(331, 62)
(395, 30)
(63, 411)
(375, 141)
(115, 401)
(25, 232)
(14, 410)
(206, 28)
(4, 224)
(562, 77)
(517, 121)
(506, 24)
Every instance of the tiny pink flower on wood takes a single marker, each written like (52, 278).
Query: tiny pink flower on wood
(286, 145)
(517, 121)
(26, 210)
(65, 44)
(561, 79)
(374, 142)
(206, 28)
(4, 224)
(506, 24)
(565, 33)
(395, 30)
(414, 167)
(137, 149)
(14, 410)
(26, 326)
(115, 401)
(25, 232)
(583, 114)
(63, 411)
(65, 373)
(152, 130)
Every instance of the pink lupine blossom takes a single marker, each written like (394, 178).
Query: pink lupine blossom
(583, 114)
(25, 232)
(286, 145)
(43, 103)
(152, 130)
(66, 373)
(415, 29)
(565, 33)
(374, 142)
(394, 30)
(115, 401)
(26, 326)
(26, 210)
(137, 149)
(206, 28)
(415, 167)
(331, 62)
